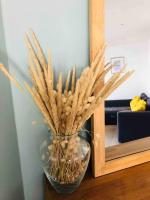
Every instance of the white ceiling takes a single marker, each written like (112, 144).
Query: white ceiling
(127, 21)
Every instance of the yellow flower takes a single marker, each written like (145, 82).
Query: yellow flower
(137, 104)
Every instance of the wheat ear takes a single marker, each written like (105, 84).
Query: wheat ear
(35, 60)
(67, 83)
(50, 69)
(10, 77)
(74, 110)
(40, 53)
(73, 80)
(41, 106)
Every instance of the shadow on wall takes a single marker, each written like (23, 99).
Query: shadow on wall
(17, 71)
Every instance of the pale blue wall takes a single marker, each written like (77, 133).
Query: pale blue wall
(61, 25)
(10, 171)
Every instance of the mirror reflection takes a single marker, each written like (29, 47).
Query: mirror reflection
(127, 110)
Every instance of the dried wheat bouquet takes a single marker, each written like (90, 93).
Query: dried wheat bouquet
(66, 108)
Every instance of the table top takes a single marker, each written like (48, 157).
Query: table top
(128, 184)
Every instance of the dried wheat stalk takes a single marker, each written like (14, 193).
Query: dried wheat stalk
(66, 111)
(68, 106)
(11, 78)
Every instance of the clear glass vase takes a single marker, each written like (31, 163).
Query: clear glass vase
(65, 160)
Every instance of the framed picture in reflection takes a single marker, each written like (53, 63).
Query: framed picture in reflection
(117, 64)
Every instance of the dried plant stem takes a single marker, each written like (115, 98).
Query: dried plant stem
(100, 78)
(98, 58)
(67, 84)
(41, 106)
(50, 70)
(10, 77)
(108, 84)
(53, 105)
(68, 166)
(39, 51)
(35, 60)
(118, 83)
(73, 80)
(59, 98)
(65, 112)
(74, 111)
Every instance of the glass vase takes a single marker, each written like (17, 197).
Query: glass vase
(65, 160)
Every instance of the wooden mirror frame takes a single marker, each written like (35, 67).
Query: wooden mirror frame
(100, 165)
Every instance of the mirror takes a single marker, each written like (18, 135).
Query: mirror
(127, 34)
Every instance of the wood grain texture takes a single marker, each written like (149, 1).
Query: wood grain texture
(126, 162)
(129, 184)
(128, 148)
(96, 24)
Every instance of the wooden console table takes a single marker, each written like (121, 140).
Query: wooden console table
(128, 184)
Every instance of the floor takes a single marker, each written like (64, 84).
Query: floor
(111, 134)
(128, 184)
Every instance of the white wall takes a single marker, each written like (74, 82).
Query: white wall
(10, 171)
(137, 57)
(127, 34)
(126, 21)
(62, 26)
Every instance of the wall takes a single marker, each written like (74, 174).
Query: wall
(62, 26)
(127, 34)
(126, 21)
(137, 57)
(10, 171)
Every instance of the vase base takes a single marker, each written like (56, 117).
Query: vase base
(65, 188)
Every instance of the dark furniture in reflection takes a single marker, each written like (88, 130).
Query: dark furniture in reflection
(133, 125)
(112, 107)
